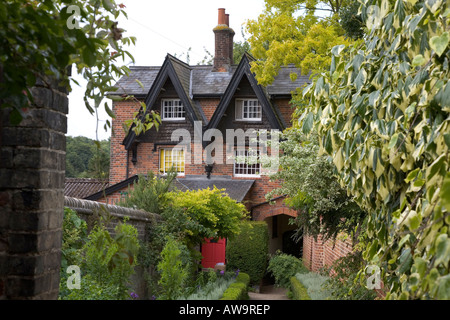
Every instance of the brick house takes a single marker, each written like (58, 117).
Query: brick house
(198, 103)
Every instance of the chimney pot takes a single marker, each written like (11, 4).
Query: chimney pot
(227, 19)
(222, 16)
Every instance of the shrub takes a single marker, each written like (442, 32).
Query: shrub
(209, 213)
(149, 193)
(210, 286)
(236, 291)
(74, 236)
(344, 284)
(298, 290)
(107, 263)
(244, 278)
(284, 266)
(314, 282)
(174, 273)
(248, 251)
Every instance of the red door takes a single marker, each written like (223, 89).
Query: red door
(213, 252)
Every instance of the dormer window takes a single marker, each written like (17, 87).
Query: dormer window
(248, 110)
(172, 109)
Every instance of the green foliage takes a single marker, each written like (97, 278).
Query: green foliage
(106, 261)
(110, 259)
(311, 188)
(345, 284)
(149, 193)
(244, 278)
(210, 285)
(91, 289)
(314, 283)
(38, 39)
(174, 273)
(351, 21)
(382, 114)
(86, 158)
(248, 251)
(189, 217)
(209, 213)
(299, 292)
(74, 237)
(238, 290)
(285, 33)
(283, 267)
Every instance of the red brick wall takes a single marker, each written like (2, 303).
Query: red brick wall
(209, 106)
(319, 254)
(123, 110)
(286, 110)
(267, 209)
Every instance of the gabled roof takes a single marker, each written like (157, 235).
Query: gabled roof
(205, 82)
(193, 82)
(242, 70)
(180, 75)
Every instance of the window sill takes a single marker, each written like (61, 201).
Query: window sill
(247, 176)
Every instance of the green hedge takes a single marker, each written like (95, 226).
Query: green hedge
(244, 278)
(299, 292)
(238, 290)
(248, 251)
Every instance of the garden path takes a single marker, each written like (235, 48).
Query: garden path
(269, 292)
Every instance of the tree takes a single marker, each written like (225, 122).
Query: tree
(291, 32)
(382, 112)
(86, 158)
(311, 188)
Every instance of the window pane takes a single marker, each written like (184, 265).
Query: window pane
(246, 163)
(173, 109)
(172, 158)
(251, 109)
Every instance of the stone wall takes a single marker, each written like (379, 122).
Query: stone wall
(141, 220)
(32, 169)
(87, 210)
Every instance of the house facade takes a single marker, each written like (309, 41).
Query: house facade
(215, 120)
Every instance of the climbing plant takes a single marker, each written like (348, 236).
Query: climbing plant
(383, 115)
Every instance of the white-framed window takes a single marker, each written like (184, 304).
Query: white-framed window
(247, 164)
(172, 109)
(248, 110)
(169, 158)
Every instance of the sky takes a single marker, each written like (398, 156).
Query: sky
(161, 27)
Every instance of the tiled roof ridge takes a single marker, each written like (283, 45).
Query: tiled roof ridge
(86, 179)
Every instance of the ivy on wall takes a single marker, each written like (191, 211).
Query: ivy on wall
(383, 115)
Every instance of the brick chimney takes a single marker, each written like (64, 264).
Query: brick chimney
(223, 57)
